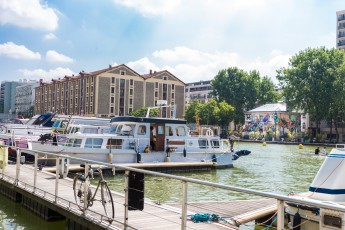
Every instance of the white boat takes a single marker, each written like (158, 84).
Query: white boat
(327, 187)
(138, 139)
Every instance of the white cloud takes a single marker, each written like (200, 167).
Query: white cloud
(54, 56)
(15, 51)
(192, 65)
(143, 66)
(150, 7)
(49, 36)
(37, 74)
(28, 14)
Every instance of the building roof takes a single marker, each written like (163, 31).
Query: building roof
(270, 107)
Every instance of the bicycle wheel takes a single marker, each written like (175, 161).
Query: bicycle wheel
(78, 188)
(107, 201)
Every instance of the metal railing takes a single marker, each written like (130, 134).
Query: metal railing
(55, 197)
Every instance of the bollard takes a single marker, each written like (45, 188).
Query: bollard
(264, 143)
(300, 146)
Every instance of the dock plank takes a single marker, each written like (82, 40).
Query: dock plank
(152, 217)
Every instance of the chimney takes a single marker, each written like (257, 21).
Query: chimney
(110, 66)
(150, 71)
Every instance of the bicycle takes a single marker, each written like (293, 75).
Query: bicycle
(82, 184)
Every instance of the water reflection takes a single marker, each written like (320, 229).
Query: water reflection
(275, 168)
(15, 216)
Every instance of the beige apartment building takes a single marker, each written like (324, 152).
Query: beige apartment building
(114, 91)
(340, 30)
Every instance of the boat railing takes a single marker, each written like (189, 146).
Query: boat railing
(59, 194)
(340, 146)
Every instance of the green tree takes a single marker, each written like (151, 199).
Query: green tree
(208, 113)
(142, 112)
(225, 114)
(242, 90)
(308, 82)
(192, 110)
(266, 91)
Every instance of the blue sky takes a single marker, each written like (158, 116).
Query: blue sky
(193, 39)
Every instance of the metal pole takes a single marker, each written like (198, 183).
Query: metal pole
(19, 153)
(86, 172)
(184, 206)
(125, 221)
(35, 172)
(57, 178)
(280, 217)
(3, 160)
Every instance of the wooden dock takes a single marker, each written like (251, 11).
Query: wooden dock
(57, 195)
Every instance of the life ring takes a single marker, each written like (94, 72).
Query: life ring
(208, 132)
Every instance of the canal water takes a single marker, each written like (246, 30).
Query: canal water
(274, 168)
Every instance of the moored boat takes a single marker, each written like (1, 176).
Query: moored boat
(141, 139)
(327, 187)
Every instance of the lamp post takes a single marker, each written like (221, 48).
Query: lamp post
(275, 126)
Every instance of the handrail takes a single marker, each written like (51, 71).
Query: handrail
(196, 181)
(280, 198)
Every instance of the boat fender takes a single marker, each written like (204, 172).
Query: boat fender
(214, 158)
(296, 225)
(184, 153)
(235, 156)
(138, 157)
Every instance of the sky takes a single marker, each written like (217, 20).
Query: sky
(192, 39)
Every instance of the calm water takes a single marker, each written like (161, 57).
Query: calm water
(275, 168)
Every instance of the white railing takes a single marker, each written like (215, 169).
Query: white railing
(59, 200)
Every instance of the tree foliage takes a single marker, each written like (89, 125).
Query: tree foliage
(142, 112)
(210, 113)
(244, 91)
(313, 82)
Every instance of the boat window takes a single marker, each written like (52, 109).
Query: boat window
(180, 131)
(64, 124)
(114, 144)
(95, 143)
(77, 142)
(111, 129)
(203, 143)
(69, 142)
(168, 131)
(90, 130)
(215, 143)
(56, 124)
(141, 130)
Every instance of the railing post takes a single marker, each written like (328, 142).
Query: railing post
(184, 206)
(19, 153)
(3, 158)
(280, 215)
(57, 178)
(35, 172)
(125, 221)
(86, 172)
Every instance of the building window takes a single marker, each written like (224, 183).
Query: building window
(156, 94)
(111, 109)
(131, 101)
(113, 80)
(173, 87)
(156, 85)
(131, 92)
(122, 72)
(165, 78)
(131, 82)
(112, 100)
(112, 89)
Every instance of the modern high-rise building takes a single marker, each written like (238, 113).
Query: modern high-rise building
(341, 29)
(113, 91)
(200, 91)
(25, 97)
(8, 96)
